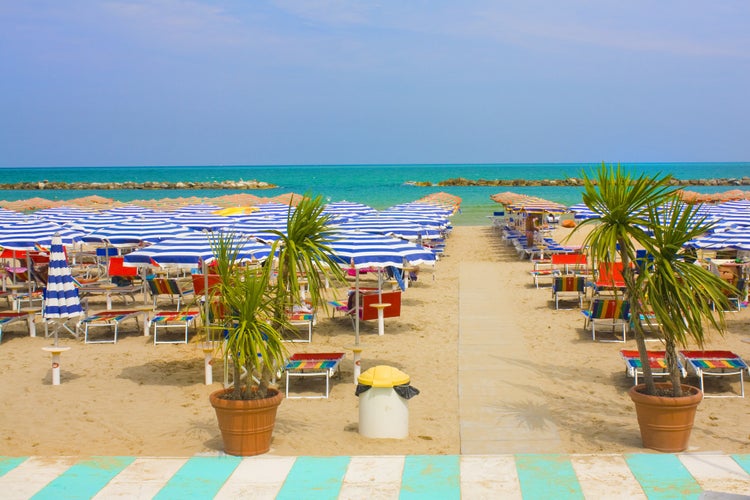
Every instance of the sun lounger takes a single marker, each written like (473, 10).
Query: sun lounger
(8, 318)
(166, 320)
(718, 364)
(610, 312)
(109, 319)
(322, 364)
(656, 359)
(303, 320)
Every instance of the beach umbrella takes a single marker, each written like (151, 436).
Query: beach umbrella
(733, 239)
(260, 226)
(192, 250)
(362, 250)
(398, 227)
(202, 221)
(63, 214)
(22, 236)
(132, 232)
(61, 301)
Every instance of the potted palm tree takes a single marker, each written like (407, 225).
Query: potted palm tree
(252, 345)
(645, 212)
(251, 306)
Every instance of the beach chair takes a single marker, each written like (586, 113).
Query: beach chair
(716, 364)
(108, 290)
(567, 286)
(8, 318)
(174, 320)
(609, 277)
(111, 320)
(612, 312)
(168, 287)
(656, 360)
(322, 364)
(304, 321)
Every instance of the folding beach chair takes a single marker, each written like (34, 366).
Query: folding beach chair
(717, 364)
(302, 321)
(634, 368)
(612, 312)
(568, 285)
(175, 320)
(109, 319)
(168, 287)
(321, 364)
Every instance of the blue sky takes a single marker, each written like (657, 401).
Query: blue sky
(172, 82)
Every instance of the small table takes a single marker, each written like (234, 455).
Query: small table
(381, 323)
(55, 351)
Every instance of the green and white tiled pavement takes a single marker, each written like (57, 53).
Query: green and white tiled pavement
(638, 475)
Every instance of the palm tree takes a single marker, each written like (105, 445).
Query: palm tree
(680, 294)
(244, 309)
(303, 252)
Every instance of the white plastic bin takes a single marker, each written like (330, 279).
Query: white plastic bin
(383, 413)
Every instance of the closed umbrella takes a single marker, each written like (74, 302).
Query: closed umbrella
(61, 301)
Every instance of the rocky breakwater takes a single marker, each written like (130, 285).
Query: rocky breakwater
(151, 185)
(571, 181)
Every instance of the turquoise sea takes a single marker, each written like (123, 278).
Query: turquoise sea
(379, 186)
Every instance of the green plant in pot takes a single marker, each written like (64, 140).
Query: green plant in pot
(252, 345)
(251, 307)
(646, 212)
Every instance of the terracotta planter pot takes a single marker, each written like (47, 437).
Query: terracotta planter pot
(246, 426)
(666, 422)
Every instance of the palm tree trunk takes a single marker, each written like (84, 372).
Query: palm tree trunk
(674, 372)
(635, 314)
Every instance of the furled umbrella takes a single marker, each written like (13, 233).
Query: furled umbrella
(61, 300)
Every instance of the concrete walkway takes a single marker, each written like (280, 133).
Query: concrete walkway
(495, 416)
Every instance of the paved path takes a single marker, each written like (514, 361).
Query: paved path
(494, 416)
(530, 476)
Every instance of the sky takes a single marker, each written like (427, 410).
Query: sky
(173, 82)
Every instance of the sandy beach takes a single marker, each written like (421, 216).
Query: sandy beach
(135, 398)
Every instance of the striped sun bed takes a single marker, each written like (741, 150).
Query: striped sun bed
(107, 319)
(656, 360)
(173, 320)
(716, 363)
(321, 364)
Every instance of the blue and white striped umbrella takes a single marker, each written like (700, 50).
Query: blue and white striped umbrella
(131, 232)
(397, 227)
(63, 215)
(193, 250)
(93, 222)
(202, 221)
(582, 212)
(61, 299)
(360, 250)
(731, 239)
(31, 232)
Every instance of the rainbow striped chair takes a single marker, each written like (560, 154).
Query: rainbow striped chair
(716, 363)
(567, 285)
(608, 311)
(170, 287)
(320, 364)
(656, 359)
(166, 320)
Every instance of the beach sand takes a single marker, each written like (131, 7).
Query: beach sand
(135, 398)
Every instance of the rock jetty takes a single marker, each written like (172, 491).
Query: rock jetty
(570, 181)
(150, 185)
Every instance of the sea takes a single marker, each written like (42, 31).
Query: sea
(379, 186)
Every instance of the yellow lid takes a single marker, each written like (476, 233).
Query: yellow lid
(383, 376)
